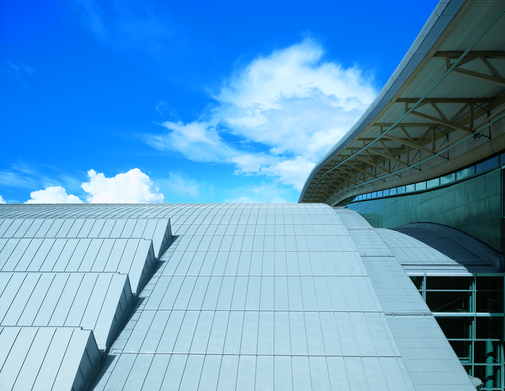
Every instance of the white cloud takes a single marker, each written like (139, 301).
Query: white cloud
(131, 187)
(291, 172)
(182, 185)
(248, 163)
(291, 100)
(286, 110)
(52, 195)
(198, 141)
(2, 201)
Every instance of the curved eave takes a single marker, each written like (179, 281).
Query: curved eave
(451, 28)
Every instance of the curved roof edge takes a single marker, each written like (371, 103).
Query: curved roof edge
(475, 247)
(440, 18)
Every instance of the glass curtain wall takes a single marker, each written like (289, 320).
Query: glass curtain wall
(469, 310)
(437, 182)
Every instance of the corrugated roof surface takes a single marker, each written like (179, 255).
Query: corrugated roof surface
(46, 358)
(157, 230)
(94, 301)
(428, 247)
(246, 297)
(427, 355)
(257, 298)
(65, 291)
(134, 257)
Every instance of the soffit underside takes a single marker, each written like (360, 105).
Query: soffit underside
(451, 111)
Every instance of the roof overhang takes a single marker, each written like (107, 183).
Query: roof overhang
(449, 87)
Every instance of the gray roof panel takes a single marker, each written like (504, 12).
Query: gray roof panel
(158, 230)
(421, 247)
(259, 296)
(57, 299)
(46, 358)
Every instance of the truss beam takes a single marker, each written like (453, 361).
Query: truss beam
(445, 100)
(496, 54)
(407, 142)
(387, 156)
(479, 76)
(439, 121)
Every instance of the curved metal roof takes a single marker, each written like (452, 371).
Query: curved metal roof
(284, 296)
(448, 87)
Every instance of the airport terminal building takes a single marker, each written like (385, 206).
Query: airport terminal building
(387, 275)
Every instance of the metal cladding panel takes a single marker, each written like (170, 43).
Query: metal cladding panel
(247, 296)
(243, 372)
(158, 230)
(46, 358)
(234, 307)
(393, 287)
(89, 300)
(422, 246)
(142, 265)
(134, 257)
(417, 335)
(352, 220)
(429, 358)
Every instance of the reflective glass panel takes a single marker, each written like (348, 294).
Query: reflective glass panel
(463, 350)
(490, 283)
(418, 281)
(486, 165)
(456, 327)
(392, 191)
(449, 301)
(452, 283)
(489, 301)
(421, 186)
(465, 173)
(409, 188)
(448, 179)
(489, 327)
(433, 183)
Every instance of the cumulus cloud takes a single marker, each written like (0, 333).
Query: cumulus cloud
(291, 172)
(2, 201)
(276, 117)
(131, 187)
(198, 141)
(52, 195)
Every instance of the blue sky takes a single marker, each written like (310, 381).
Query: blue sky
(161, 101)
